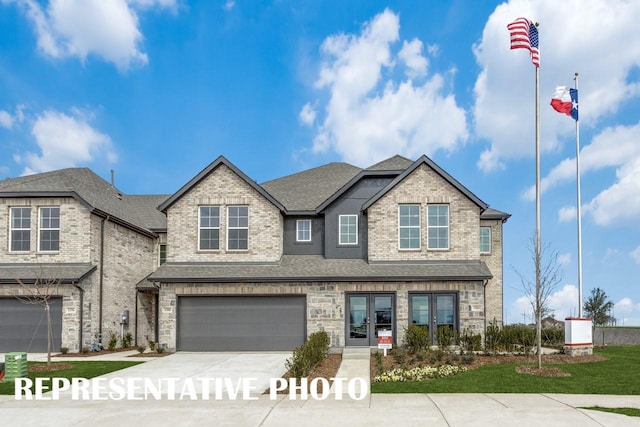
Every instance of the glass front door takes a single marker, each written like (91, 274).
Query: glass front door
(433, 311)
(368, 314)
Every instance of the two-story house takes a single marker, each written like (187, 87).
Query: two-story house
(245, 266)
(73, 230)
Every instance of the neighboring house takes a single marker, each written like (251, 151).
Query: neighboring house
(71, 225)
(245, 266)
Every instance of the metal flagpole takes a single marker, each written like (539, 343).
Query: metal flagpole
(538, 244)
(579, 207)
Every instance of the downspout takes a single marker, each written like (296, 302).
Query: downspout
(100, 297)
(135, 323)
(156, 333)
(485, 282)
(81, 316)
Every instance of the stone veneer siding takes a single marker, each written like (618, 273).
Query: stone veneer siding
(326, 303)
(223, 188)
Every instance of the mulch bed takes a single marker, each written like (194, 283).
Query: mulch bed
(527, 363)
(54, 366)
(92, 353)
(150, 354)
(327, 369)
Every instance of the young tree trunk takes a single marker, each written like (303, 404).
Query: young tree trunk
(49, 333)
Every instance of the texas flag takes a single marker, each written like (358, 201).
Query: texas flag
(565, 100)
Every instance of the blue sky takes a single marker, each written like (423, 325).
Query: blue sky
(157, 89)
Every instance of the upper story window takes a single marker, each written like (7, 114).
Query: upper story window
(238, 228)
(438, 226)
(49, 229)
(303, 230)
(409, 226)
(485, 240)
(162, 254)
(348, 229)
(20, 233)
(209, 228)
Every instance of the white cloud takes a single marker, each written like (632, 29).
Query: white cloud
(635, 254)
(65, 141)
(229, 4)
(567, 213)
(411, 55)
(79, 28)
(627, 312)
(369, 116)
(504, 109)
(563, 303)
(564, 259)
(307, 115)
(6, 120)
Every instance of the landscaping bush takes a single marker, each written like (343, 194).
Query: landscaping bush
(417, 338)
(493, 337)
(445, 337)
(306, 357)
(470, 341)
(553, 337)
(64, 350)
(126, 340)
(113, 341)
(519, 337)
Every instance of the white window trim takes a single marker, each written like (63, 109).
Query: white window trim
(12, 229)
(298, 221)
(340, 242)
(489, 251)
(429, 227)
(200, 227)
(237, 228)
(419, 226)
(41, 229)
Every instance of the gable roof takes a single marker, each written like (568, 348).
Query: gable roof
(305, 191)
(96, 194)
(221, 160)
(396, 162)
(431, 164)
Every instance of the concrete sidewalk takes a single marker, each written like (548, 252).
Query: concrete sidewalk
(284, 410)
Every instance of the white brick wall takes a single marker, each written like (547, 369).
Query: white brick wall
(424, 187)
(223, 188)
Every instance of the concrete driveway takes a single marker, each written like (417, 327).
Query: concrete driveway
(226, 375)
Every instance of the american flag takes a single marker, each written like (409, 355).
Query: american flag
(524, 35)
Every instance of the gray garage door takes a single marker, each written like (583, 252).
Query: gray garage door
(235, 323)
(23, 327)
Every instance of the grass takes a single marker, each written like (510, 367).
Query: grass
(79, 370)
(613, 376)
(631, 412)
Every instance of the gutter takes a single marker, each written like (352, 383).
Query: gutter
(101, 280)
(81, 316)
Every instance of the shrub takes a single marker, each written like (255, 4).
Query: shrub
(493, 337)
(113, 341)
(140, 349)
(417, 338)
(126, 340)
(64, 350)
(84, 350)
(379, 365)
(152, 345)
(470, 341)
(445, 337)
(306, 357)
(400, 354)
(553, 337)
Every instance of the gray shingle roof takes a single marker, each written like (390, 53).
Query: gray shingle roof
(393, 163)
(311, 268)
(91, 190)
(28, 273)
(306, 190)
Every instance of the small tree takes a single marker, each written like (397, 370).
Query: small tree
(40, 292)
(550, 278)
(598, 306)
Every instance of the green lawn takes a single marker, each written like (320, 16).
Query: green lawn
(80, 370)
(630, 412)
(618, 375)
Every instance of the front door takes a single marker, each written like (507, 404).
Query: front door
(367, 314)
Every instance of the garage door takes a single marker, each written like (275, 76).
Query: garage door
(23, 327)
(235, 323)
